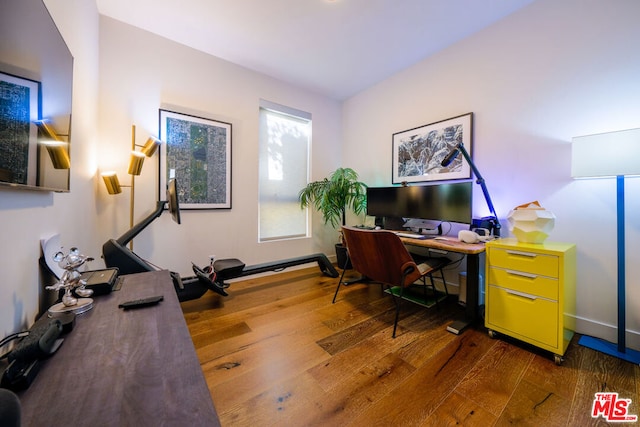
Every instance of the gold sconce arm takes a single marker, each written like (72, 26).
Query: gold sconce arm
(47, 130)
(57, 149)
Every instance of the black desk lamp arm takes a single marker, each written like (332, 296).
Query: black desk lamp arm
(481, 182)
(133, 232)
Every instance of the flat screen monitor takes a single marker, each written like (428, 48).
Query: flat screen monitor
(438, 202)
(173, 201)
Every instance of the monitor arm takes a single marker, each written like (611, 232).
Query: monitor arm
(459, 148)
(133, 232)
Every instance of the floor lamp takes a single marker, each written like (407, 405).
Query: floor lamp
(605, 155)
(136, 161)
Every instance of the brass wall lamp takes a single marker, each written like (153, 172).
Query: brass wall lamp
(57, 148)
(136, 161)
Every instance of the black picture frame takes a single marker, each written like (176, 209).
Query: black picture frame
(19, 109)
(196, 151)
(418, 152)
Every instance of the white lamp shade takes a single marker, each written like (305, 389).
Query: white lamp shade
(606, 154)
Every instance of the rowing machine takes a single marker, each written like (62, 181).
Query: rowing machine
(116, 254)
(214, 275)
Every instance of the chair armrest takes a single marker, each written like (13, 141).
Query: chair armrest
(408, 267)
(410, 273)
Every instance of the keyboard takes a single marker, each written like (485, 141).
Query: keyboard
(412, 235)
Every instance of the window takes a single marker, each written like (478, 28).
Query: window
(285, 137)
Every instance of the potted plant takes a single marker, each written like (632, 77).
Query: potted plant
(332, 197)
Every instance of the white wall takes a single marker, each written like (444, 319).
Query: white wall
(127, 75)
(28, 216)
(547, 73)
(141, 73)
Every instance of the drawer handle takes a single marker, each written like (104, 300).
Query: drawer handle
(524, 254)
(521, 274)
(521, 294)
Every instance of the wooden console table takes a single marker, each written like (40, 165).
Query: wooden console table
(124, 368)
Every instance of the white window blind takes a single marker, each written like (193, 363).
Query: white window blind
(285, 138)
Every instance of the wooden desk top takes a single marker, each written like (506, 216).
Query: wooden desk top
(451, 244)
(124, 368)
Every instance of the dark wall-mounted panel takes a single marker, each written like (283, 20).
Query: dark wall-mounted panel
(36, 79)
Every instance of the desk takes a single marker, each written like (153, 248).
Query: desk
(124, 368)
(472, 252)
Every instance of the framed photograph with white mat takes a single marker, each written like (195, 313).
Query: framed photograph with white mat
(19, 108)
(197, 152)
(418, 153)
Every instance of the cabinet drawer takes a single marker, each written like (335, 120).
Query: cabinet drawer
(534, 320)
(522, 260)
(528, 283)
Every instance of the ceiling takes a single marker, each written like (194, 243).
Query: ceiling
(336, 48)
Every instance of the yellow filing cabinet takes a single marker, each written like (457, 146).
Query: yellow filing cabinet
(530, 292)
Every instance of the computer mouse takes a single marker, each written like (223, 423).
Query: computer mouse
(468, 236)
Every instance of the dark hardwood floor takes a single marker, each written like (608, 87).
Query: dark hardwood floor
(277, 352)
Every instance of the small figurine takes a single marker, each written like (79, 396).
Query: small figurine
(70, 279)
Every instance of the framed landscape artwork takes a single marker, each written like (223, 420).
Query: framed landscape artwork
(418, 152)
(19, 108)
(197, 152)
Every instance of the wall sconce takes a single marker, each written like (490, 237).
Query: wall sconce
(57, 148)
(136, 161)
(111, 182)
(608, 155)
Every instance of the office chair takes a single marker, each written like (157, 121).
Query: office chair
(381, 257)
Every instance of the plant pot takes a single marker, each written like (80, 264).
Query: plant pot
(342, 258)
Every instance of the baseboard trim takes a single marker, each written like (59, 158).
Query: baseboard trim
(605, 331)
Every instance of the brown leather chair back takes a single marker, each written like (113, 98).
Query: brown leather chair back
(380, 255)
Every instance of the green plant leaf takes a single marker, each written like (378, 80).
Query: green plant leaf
(333, 196)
